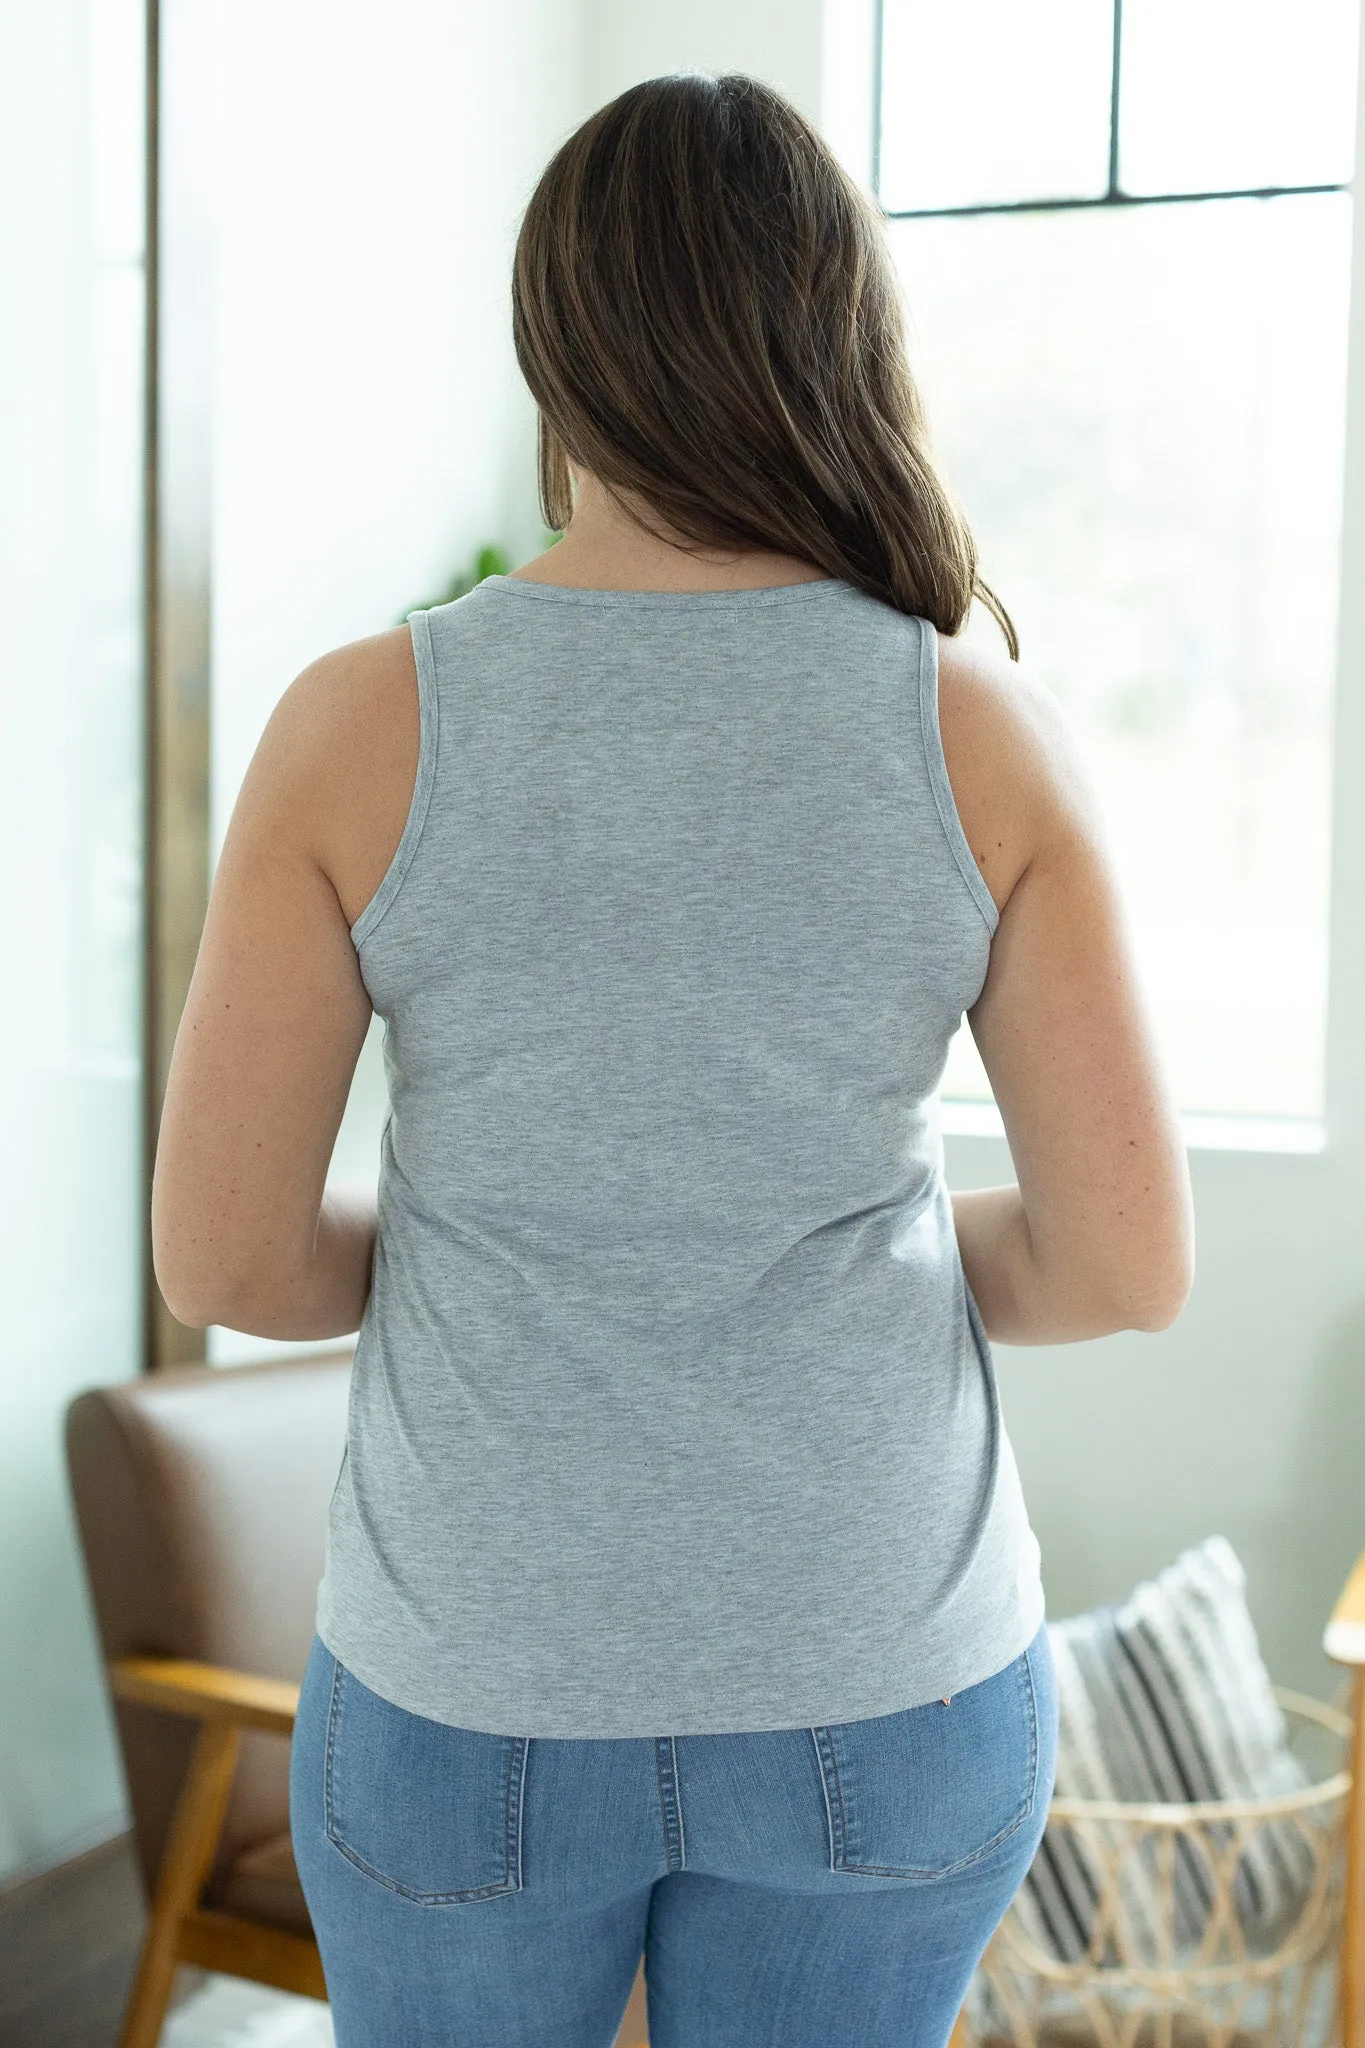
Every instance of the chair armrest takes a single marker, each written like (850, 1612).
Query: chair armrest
(1344, 1636)
(206, 1692)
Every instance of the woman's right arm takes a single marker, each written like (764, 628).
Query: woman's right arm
(1098, 1234)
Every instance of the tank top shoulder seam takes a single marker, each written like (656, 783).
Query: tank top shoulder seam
(428, 713)
(946, 803)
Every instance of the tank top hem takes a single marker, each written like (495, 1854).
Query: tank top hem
(954, 1669)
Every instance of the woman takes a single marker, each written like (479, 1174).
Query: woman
(680, 1594)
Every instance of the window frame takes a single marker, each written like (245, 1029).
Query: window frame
(1113, 196)
(960, 1117)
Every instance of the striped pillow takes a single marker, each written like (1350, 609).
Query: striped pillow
(1165, 1697)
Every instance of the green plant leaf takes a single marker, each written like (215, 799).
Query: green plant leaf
(491, 560)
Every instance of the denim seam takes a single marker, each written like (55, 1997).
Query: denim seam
(834, 1806)
(516, 1772)
(1026, 1686)
(352, 1856)
(678, 1803)
(664, 1801)
(1033, 1728)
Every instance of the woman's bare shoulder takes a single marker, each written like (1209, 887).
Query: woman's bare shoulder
(349, 727)
(1011, 757)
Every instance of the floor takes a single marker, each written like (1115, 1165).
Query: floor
(226, 2013)
(68, 1943)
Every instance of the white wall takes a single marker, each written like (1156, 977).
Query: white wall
(371, 428)
(778, 40)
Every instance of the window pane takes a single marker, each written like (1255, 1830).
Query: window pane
(1227, 95)
(72, 1199)
(1142, 408)
(987, 101)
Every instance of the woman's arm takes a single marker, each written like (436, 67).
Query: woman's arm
(1098, 1235)
(245, 1231)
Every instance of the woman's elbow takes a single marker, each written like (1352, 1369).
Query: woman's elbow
(191, 1300)
(1160, 1316)
(196, 1282)
(1159, 1301)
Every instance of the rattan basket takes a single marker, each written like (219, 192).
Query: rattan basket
(1138, 1985)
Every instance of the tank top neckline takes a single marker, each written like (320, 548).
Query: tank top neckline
(572, 593)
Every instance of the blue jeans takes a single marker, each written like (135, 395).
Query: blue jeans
(798, 1888)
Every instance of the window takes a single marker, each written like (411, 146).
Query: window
(1124, 235)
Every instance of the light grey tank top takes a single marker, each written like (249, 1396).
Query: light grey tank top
(671, 1411)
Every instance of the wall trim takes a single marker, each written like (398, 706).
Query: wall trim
(177, 611)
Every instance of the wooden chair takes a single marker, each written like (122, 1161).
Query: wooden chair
(201, 1497)
(181, 1930)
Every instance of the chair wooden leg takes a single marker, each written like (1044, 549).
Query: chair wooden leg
(186, 1864)
(633, 2031)
(1352, 1986)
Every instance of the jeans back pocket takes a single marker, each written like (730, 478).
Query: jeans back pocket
(928, 1791)
(430, 1810)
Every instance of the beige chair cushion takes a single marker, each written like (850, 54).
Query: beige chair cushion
(263, 1884)
(201, 1496)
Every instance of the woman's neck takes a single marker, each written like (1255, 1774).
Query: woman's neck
(604, 548)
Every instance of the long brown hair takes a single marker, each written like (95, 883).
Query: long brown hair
(705, 310)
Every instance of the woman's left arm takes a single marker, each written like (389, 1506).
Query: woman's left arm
(245, 1231)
